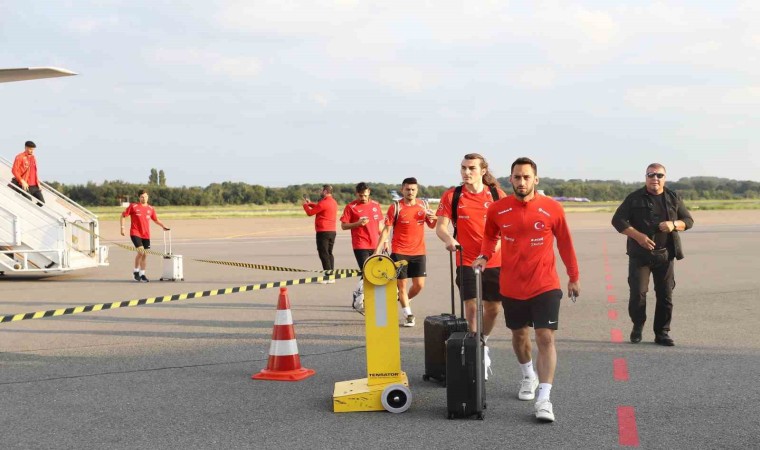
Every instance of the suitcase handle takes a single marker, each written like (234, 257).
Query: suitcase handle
(461, 298)
(170, 243)
(478, 335)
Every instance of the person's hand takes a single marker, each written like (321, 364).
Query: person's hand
(122, 231)
(574, 289)
(479, 264)
(430, 215)
(667, 226)
(452, 245)
(645, 242)
(363, 221)
(167, 229)
(24, 185)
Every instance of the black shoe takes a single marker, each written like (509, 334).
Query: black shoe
(137, 276)
(664, 339)
(636, 333)
(144, 279)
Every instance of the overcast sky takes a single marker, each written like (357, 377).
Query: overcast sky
(279, 92)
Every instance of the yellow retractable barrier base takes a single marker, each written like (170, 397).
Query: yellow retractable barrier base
(358, 395)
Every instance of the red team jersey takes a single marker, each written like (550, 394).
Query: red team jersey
(326, 210)
(409, 229)
(471, 220)
(527, 232)
(366, 237)
(140, 217)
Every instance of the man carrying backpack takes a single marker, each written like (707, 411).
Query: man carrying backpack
(465, 207)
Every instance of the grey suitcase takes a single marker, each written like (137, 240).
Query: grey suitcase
(172, 264)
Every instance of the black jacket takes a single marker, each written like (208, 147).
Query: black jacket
(637, 211)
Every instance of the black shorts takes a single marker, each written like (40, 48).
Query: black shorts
(541, 311)
(416, 267)
(362, 254)
(140, 242)
(490, 279)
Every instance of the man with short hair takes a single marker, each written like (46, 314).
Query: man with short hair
(25, 172)
(325, 222)
(651, 217)
(362, 216)
(465, 208)
(527, 224)
(140, 215)
(407, 218)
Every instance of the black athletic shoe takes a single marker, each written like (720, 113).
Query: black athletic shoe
(144, 279)
(137, 275)
(636, 333)
(664, 339)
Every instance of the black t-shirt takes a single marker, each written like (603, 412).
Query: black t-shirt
(660, 214)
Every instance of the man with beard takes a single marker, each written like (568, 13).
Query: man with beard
(527, 224)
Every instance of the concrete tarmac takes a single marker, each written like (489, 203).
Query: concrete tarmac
(177, 375)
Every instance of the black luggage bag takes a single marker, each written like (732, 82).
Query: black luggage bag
(437, 331)
(465, 372)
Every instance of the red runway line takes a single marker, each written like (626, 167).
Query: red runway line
(628, 434)
(608, 277)
(616, 335)
(612, 314)
(620, 369)
(610, 299)
(609, 287)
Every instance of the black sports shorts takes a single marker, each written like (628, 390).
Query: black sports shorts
(490, 279)
(416, 267)
(140, 242)
(541, 311)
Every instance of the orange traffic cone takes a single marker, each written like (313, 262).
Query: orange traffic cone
(284, 363)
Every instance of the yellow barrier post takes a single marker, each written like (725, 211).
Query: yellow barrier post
(386, 386)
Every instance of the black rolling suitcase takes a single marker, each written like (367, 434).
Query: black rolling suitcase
(465, 373)
(437, 331)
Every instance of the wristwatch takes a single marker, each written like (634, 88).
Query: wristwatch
(482, 257)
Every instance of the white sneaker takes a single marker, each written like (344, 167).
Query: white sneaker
(544, 411)
(358, 302)
(409, 321)
(330, 281)
(528, 389)
(487, 361)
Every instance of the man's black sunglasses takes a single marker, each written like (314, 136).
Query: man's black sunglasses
(655, 174)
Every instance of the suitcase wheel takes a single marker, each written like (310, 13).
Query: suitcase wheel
(481, 416)
(426, 377)
(396, 398)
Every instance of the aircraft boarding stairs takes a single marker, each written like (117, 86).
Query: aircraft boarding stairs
(57, 237)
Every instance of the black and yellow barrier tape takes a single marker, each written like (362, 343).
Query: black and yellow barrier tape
(352, 272)
(165, 299)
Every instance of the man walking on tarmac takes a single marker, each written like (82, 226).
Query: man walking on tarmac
(407, 219)
(326, 211)
(527, 223)
(362, 217)
(139, 231)
(465, 208)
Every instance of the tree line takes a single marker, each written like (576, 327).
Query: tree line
(112, 193)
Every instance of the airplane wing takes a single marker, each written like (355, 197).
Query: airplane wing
(32, 73)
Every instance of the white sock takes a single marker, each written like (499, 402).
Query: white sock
(407, 311)
(527, 370)
(137, 269)
(485, 339)
(142, 272)
(544, 390)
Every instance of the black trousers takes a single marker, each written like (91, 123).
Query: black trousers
(664, 283)
(361, 255)
(325, 243)
(34, 191)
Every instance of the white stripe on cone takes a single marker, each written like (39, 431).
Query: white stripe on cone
(283, 317)
(283, 348)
